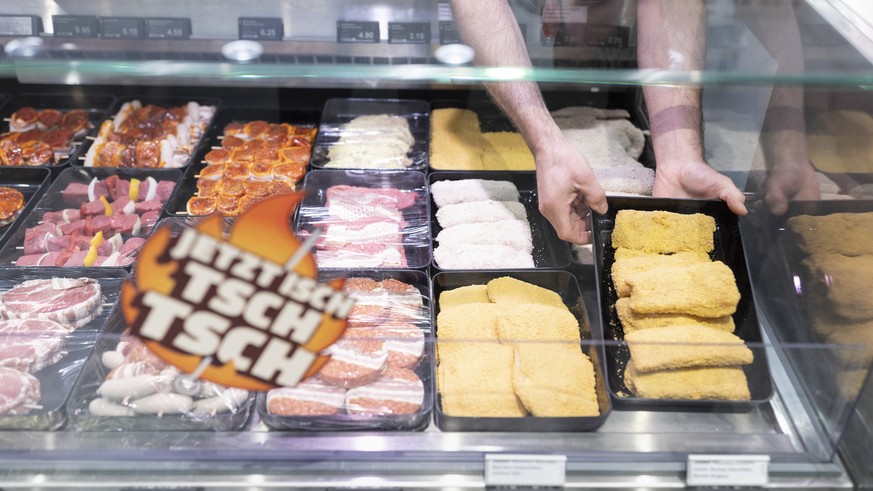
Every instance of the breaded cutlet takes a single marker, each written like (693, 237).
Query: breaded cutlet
(476, 381)
(690, 346)
(663, 232)
(465, 325)
(848, 282)
(690, 383)
(555, 381)
(510, 291)
(523, 323)
(817, 233)
(702, 289)
(623, 268)
(625, 253)
(631, 321)
(463, 295)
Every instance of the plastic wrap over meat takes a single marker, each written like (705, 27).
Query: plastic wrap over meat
(366, 221)
(378, 370)
(48, 326)
(374, 134)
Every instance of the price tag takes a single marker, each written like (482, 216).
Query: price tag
(357, 32)
(525, 470)
(449, 32)
(168, 28)
(75, 26)
(409, 33)
(121, 27)
(607, 36)
(728, 470)
(261, 28)
(20, 25)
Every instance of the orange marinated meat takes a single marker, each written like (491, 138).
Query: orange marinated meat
(208, 187)
(49, 118)
(217, 156)
(262, 170)
(237, 171)
(148, 154)
(37, 153)
(255, 128)
(11, 202)
(232, 187)
(232, 142)
(296, 155)
(257, 188)
(25, 116)
(75, 120)
(215, 171)
(290, 172)
(200, 206)
(228, 205)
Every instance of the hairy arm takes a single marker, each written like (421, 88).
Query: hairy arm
(565, 183)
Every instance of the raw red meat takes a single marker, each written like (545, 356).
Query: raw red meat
(19, 391)
(165, 190)
(69, 301)
(125, 223)
(63, 216)
(47, 259)
(131, 246)
(150, 205)
(95, 207)
(69, 228)
(75, 192)
(29, 345)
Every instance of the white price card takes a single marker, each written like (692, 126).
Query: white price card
(728, 470)
(525, 470)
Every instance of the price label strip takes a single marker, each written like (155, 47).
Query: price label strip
(449, 32)
(408, 33)
(167, 28)
(121, 28)
(728, 470)
(525, 470)
(261, 28)
(20, 25)
(75, 26)
(357, 31)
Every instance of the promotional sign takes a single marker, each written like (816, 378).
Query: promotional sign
(241, 307)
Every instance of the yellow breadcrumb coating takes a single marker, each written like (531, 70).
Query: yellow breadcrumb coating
(688, 346)
(463, 295)
(524, 323)
(506, 290)
(848, 282)
(818, 234)
(476, 381)
(555, 381)
(702, 289)
(623, 268)
(690, 383)
(663, 232)
(631, 321)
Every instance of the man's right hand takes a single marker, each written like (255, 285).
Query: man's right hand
(567, 189)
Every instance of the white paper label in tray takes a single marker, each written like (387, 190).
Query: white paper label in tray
(525, 470)
(728, 470)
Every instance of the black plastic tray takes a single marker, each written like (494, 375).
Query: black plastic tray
(728, 249)
(163, 102)
(424, 369)
(564, 284)
(29, 182)
(340, 111)
(57, 381)
(186, 189)
(52, 200)
(96, 105)
(417, 243)
(549, 251)
(94, 373)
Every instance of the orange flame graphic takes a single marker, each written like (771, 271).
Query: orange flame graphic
(263, 230)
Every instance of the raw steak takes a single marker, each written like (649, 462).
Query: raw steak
(19, 391)
(29, 345)
(70, 301)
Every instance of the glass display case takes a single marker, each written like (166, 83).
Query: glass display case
(785, 113)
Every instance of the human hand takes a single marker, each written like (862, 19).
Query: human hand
(789, 182)
(695, 179)
(567, 190)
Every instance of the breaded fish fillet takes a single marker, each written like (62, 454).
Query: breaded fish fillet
(477, 381)
(480, 212)
(631, 321)
(663, 232)
(690, 346)
(848, 282)
(510, 291)
(555, 381)
(625, 253)
(690, 383)
(817, 233)
(510, 233)
(527, 322)
(624, 268)
(702, 289)
(472, 324)
(463, 295)
(450, 192)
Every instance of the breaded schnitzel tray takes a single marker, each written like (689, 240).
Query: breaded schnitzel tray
(675, 296)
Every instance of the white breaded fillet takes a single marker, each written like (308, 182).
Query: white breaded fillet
(511, 233)
(474, 256)
(480, 212)
(470, 190)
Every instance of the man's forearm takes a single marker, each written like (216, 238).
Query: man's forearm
(490, 28)
(672, 36)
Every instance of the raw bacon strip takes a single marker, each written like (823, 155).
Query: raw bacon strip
(70, 301)
(19, 391)
(29, 345)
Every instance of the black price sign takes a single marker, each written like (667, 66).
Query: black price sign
(121, 27)
(409, 32)
(608, 36)
(75, 26)
(20, 25)
(357, 32)
(261, 28)
(168, 28)
(449, 32)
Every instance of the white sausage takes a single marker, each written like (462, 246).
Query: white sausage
(112, 359)
(169, 403)
(102, 407)
(230, 400)
(130, 388)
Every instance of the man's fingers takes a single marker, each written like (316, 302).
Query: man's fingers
(735, 200)
(594, 195)
(776, 200)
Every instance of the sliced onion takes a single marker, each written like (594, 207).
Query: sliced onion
(106, 128)
(129, 208)
(122, 115)
(92, 152)
(136, 227)
(116, 242)
(112, 259)
(167, 152)
(153, 189)
(194, 110)
(184, 135)
(91, 196)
